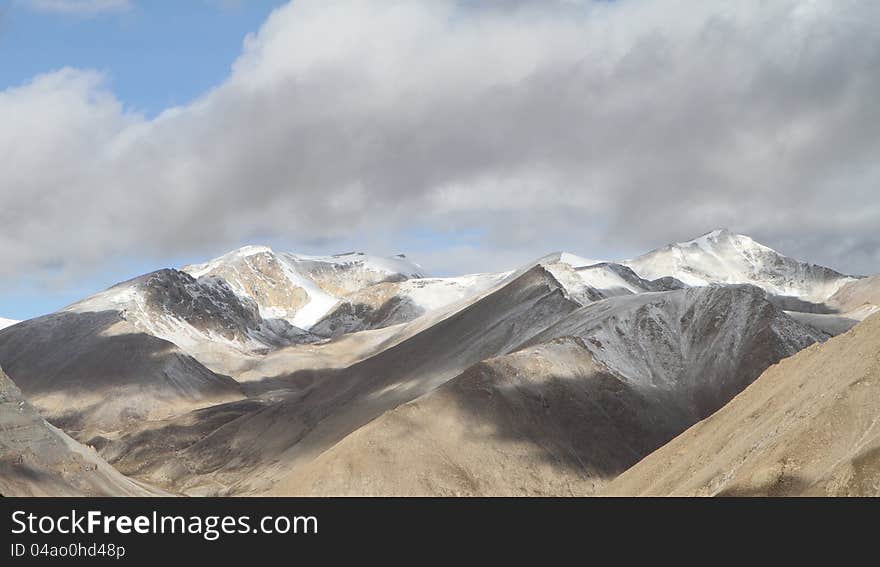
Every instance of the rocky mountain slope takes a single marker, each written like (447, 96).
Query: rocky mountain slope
(338, 420)
(90, 372)
(174, 306)
(599, 281)
(546, 420)
(722, 256)
(857, 299)
(853, 302)
(387, 304)
(330, 405)
(298, 288)
(268, 372)
(703, 344)
(809, 425)
(595, 392)
(36, 459)
(391, 303)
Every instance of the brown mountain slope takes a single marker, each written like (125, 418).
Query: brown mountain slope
(861, 295)
(548, 420)
(809, 425)
(605, 386)
(92, 373)
(38, 460)
(244, 456)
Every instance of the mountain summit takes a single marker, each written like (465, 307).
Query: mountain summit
(724, 257)
(297, 287)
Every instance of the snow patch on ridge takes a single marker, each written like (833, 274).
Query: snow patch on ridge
(576, 261)
(391, 303)
(434, 293)
(191, 313)
(301, 288)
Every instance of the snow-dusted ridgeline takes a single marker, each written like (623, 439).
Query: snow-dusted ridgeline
(390, 303)
(723, 257)
(191, 313)
(297, 287)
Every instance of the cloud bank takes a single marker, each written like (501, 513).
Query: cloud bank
(600, 127)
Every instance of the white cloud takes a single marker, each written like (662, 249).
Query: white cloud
(79, 7)
(602, 127)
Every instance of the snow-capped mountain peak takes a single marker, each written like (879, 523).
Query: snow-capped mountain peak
(199, 270)
(173, 305)
(711, 241)
(725, 257)
(301, 288)
(7, 322)
(576, 261)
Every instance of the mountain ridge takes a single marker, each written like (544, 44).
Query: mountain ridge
(721, 256)
(197, 380)
(807, 426)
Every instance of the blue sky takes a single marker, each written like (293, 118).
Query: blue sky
(156, 54)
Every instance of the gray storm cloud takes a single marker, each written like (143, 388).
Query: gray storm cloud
(594, 126)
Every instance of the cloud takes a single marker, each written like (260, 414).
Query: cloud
(79, 7)
(605, 128)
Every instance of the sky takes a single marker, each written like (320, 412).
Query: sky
(472, 135)
(148, 50)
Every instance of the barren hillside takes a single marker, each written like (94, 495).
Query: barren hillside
(809, 425)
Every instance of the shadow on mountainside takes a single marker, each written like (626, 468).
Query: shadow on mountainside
(546, 405)
(94, 370)
(148, 448)
(783, 484)
(573, 411)
(153, 444)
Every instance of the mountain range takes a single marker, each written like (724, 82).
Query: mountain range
(703, 367)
